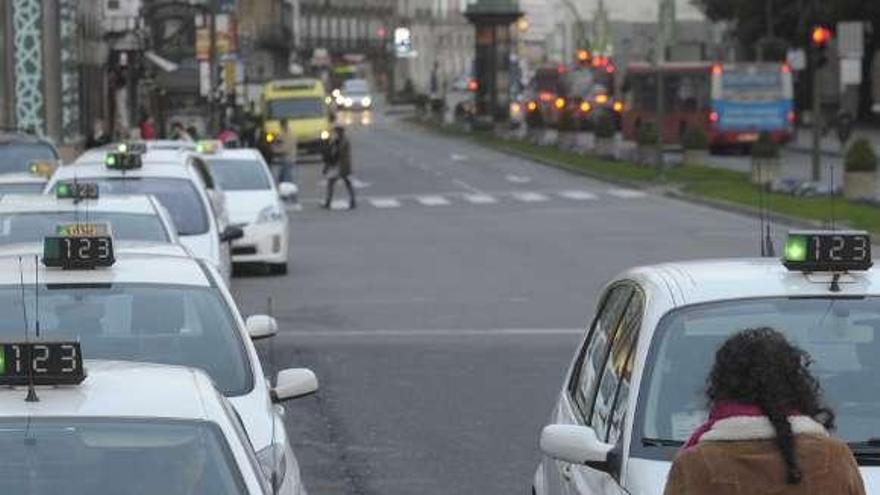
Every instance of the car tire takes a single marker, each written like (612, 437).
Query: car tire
(278, 268)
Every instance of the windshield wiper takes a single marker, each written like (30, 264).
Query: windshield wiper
(661, 442)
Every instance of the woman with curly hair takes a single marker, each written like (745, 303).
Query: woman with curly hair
(767, 430)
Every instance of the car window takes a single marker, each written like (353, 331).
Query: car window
(240, 175)
(178, 196)
(15, 156)
(613, 391)
(165, 324)
(87, 456)
(34, 226)
(593, 354)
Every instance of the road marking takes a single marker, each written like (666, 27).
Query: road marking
(456, 157)
(480, 199)
(626, 193)
(464, 332)
(530, 197)
(465, 185)
(518, 179)
(432, 200)
(578, 195)
(384, 202)
(339, 204)
(359, 184)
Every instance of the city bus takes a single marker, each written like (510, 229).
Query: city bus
(732, 103)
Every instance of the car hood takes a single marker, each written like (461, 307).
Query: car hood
(244, 206)
(205, 246)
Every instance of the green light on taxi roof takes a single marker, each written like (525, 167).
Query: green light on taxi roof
(122, 148)
(796, 248)
(63, 190)
(110, 161)
(2, 360)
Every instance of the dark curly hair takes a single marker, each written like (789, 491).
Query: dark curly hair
(761, 367)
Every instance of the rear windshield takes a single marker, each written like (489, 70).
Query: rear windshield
(33, 227)
(178, 196)
(22, 188)
(239, 175)
(15, 157)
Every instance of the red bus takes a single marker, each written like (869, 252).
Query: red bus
(732, 103)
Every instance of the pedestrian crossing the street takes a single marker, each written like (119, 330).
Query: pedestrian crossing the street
(487, 199)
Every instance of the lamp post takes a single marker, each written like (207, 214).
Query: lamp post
(492, 20)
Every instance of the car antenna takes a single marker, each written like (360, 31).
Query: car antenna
(273, 479)
(37, 295)
(833, 226)
(32, 393)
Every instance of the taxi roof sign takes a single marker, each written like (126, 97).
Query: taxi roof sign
(138, 147)
(827, 251)
(123, 161)
(79, 246)
(59, 363)
(76, 191)
(209, 146)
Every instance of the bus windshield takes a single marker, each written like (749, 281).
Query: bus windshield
(750, 84)
(296, 108)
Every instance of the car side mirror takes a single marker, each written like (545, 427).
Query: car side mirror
(294, 383)
(575, 444)
(287, 190)
(231, 233)
(261, 326)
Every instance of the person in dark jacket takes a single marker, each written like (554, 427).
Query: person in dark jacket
(337, 166)
(768, 430)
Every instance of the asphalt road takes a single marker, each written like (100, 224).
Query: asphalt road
(441, 315)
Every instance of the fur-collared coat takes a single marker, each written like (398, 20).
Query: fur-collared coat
(739, 456)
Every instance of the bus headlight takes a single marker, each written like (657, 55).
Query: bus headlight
(270, 137)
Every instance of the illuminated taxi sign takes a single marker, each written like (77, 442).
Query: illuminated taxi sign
(827, 251)
(136, 147)
(41, 363)
(208, 147)
(82, 246)
(42, 168)
(76, 190)
(123, 161)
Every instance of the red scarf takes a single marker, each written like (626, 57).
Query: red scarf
(722, 410)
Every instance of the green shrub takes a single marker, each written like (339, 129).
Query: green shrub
(647, 134)
(535, 119)
(605, 127)
(765, 147)
(567, 122)
(695, 139)
(860, 157)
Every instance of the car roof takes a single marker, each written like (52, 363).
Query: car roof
(22, 178)
(127, 203)
(233, 154)
(121, 389)
(152, 168)
(137, 262)
(701, 281)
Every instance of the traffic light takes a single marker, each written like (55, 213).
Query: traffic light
(820, 37)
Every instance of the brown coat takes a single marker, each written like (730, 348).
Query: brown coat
(734, 465)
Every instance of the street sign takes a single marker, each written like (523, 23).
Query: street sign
(203, 44)
(850, 72)
(204, 78)
(851, 39)
(403, 42)
(796, 58)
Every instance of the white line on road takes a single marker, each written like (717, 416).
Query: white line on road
(339, 204)
(626, 193)
(480, 199)
(359, 184)
(518, 179)
(432, 200)
(465, 185)
(464, 332)
(384, 202)
(530, 197)
(578, 195)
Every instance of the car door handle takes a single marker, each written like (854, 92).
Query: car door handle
(566, 472)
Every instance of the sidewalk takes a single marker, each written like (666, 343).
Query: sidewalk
(830, 145)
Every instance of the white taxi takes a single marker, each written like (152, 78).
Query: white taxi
(254, 204)
(152, 303)
(27, 218)
(179, 180)
(80, 427)
(635, 390)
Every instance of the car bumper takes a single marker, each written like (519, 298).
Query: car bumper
(262, 243)
(727, 138)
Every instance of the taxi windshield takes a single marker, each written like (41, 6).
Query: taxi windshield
(34, 226)
(15, 157)
(842, 335)
(87, 456)
(179, 196)
(239, 175)
(164, 324)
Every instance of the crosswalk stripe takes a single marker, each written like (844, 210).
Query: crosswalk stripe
(626, 193)
(384, 202)
(432, 200)
(339, 204)
(578, 195)
(530, 197)
(480, 199)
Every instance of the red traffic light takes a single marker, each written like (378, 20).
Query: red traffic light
(820, 35)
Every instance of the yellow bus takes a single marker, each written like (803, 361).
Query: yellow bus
(304, 105)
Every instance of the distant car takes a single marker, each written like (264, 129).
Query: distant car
(355, 95)
(19, 151)
(254, 204)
